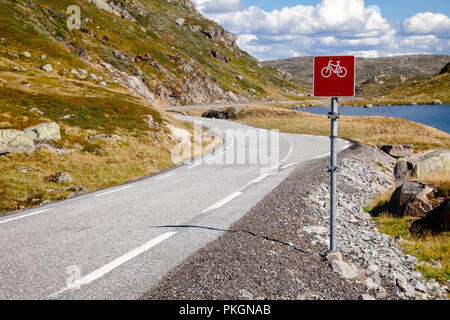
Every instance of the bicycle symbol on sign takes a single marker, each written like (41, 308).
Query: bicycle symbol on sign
(334, 68)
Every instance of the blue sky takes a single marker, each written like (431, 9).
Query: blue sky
(280, 29)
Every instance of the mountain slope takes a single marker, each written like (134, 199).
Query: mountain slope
(169, 51)
(374, 75)
(110, 77)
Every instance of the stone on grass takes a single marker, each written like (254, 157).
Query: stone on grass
(61, 178)
(47, 67)
(44, 131)
(15, 141)
(103, 136)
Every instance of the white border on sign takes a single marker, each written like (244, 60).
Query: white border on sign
(354, 75)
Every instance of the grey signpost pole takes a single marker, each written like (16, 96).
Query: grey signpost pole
(334, 115)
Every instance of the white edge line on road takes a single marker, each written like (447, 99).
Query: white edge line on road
(223, 201)
(166, 176)
(24, 216)
(108, 192)
(114, 264)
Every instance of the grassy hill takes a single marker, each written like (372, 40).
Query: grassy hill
(127, 59)
(374, 76)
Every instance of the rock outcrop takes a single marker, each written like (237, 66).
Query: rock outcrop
(410, 199)
(15, 141)
(436, 221)
(44, 131)
(398, 150)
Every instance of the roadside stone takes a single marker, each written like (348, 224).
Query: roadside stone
(212, 113)
(60, 178)
(398, 150)
(410, 199)
(381, 294)
(245, 294)
(15, 141)
(44, 131)
(401, 282)
(344, 269)
(421, 287)
(436, 220)
(366, 297)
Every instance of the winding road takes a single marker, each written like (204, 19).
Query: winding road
(119, 242)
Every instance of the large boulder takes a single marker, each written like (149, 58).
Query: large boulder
(230, 113)
(398, 150)
(403, 170)
(15, 141)
(436, 221)
(434, 162)
(212, 113)
(410, 199)
(44, 131)
(60, 178)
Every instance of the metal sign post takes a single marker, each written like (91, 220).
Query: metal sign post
(334, 115)
(334, 76)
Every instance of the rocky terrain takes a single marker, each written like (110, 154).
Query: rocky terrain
(160, 50)
(278, 250)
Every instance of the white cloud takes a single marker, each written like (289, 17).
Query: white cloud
(218, 6)
(427, 23)
(331, 27)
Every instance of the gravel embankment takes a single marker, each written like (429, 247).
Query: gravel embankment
(277, 251)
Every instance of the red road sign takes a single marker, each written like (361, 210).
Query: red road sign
(334, 76)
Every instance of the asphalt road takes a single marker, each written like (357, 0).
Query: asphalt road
(117, 243)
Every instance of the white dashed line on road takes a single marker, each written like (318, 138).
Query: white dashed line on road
(223, 201)
(166, 176)
(112, 191)
(114, 264)
(24, 216)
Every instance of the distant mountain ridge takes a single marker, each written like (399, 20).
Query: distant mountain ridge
(386, 73)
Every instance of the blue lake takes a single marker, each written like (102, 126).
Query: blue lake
(437, 116)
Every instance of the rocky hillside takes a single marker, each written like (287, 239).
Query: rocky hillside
(161, 50)
(374, 75)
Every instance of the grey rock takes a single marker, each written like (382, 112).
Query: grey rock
(344, 269)
(246, 294)
(434, 162)
(47, 67)
(61, 178)
(366, 297)
(437, 102)
(410, 199)
(44, 131)
(401, 282)
(398, 150)
(26, 54)
(368, 106)
(381, 294)
(421, 287)
(15, 141)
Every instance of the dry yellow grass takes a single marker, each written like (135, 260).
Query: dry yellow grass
(366, 130)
